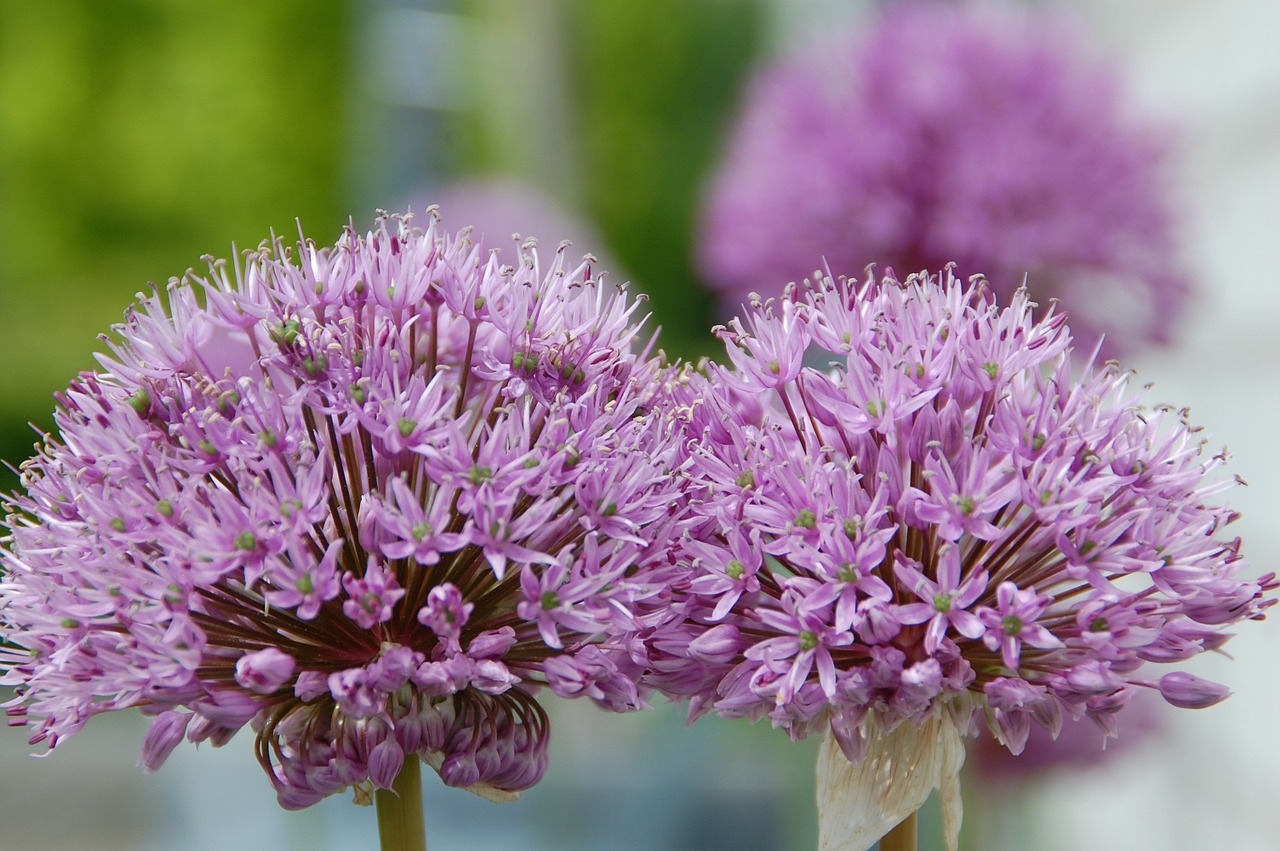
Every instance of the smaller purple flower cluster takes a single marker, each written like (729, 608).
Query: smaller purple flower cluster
(943, 133)
(938, 516)
(367, 499)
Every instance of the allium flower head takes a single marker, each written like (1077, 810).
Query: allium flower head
(946, 133)
(946, 521)
(366, 499)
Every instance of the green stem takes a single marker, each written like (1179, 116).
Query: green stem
(901, 838)
(400, 822)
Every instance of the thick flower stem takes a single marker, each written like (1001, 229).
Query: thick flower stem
(901, 838)
(400, 822)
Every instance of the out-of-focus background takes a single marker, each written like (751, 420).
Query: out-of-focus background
(138, 135)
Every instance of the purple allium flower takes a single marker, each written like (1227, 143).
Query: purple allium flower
(946, 133)
(943, 520)
(367, 499)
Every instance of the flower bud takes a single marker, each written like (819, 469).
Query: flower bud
(1190, 692)
(385, 761)
(717, 646)
(265, 671)
(164, 734)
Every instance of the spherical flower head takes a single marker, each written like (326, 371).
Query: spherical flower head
(942, 133)
(936, 516)
(367, 499)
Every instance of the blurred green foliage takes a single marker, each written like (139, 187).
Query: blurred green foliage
(137, 135)
(655, 84)
(651, 87)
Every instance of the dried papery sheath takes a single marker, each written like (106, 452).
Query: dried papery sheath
(859, 802)
(907, 506)
(366, 499)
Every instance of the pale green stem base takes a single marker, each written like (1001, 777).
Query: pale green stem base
(902, 837)
(401, 826)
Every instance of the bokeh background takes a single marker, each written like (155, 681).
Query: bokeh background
(138, 135)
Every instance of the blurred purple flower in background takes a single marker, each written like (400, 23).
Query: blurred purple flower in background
(366, 499)
(940, 133)
(497, 208)
(1079, 745)
(998, 783)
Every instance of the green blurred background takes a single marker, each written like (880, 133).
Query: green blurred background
(138, 135)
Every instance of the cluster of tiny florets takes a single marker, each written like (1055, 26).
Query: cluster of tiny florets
(366, 499)
(905, 501)
(939, 133)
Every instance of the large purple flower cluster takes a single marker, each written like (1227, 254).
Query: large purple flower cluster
(944, 133)
(906, 502)
(367, 499)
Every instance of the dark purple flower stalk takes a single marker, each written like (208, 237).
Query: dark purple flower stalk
(963, 133)
(943, 519)
(366, 499)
